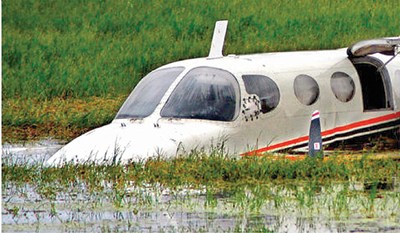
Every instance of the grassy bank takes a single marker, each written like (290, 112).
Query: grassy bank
(67, 51)
(60, 118)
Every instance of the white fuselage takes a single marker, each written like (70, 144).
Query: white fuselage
(249, 128)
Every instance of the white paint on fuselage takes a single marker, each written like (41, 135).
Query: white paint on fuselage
(125, 140)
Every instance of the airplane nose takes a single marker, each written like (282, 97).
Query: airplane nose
(94, 146)
(115, 144)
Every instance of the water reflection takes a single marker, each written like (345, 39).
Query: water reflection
(29, 153)
(173, 221)
(74, 210)
(155, 208)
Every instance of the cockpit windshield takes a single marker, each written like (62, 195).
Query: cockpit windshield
(204, 93)
(148, 93)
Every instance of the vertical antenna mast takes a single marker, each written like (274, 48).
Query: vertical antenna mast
(217, 43)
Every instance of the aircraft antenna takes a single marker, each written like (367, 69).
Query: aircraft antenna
(217, 43)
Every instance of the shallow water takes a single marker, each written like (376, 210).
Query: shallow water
(156, 209)
(153, 208)
(29, 153)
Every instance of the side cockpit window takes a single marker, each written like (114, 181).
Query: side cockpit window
(148, 93)
(204, 93)
(265, 88)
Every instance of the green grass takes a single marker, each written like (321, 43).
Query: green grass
(220, 171)
(244, 189)
(81, 49)
(248, 185)
(31, 118)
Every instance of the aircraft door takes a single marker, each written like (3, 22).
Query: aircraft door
(375, 84)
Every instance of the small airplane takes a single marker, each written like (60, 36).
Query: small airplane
(250, 104)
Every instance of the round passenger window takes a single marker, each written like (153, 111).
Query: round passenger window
(342, 86)
(306, 89)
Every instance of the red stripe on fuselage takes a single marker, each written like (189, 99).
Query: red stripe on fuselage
(325, 133)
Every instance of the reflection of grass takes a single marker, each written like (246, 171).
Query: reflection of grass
(245, 186)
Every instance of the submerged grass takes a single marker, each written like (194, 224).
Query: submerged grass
(219, 172)
(336, 188)
(55, 50)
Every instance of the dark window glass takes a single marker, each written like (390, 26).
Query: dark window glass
(265, 88)
(148, 93)
(306, 89)
(342, 86)
(204, 93)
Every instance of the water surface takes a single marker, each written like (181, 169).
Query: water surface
(154, 208)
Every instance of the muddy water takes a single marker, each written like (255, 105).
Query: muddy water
(158, 209)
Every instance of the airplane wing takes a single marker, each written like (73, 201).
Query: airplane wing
(387, 46)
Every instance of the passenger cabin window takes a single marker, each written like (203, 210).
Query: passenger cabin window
(342, 86)
(265, 88)
(306, 89)
(148, 93)
(204, 93)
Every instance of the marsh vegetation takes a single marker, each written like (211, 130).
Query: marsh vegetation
(68, 66)
(198, 190)
(62, 60)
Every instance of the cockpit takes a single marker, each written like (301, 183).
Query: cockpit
(202, 93)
